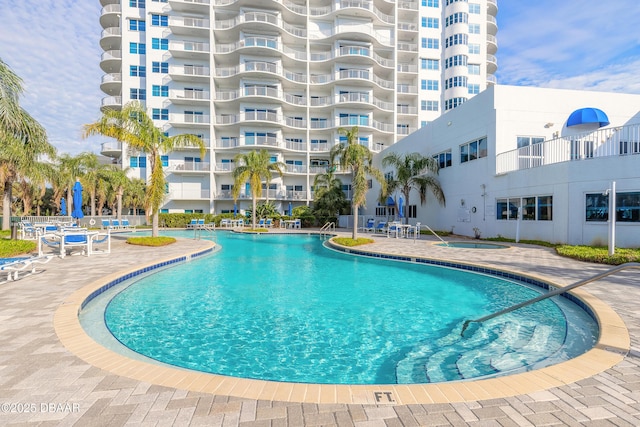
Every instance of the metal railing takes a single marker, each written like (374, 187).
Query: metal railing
(555, 292)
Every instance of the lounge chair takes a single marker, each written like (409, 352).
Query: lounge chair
(106, 224)
(297, 223)
(381, 227)
(261, 223)
(370, 225)
(22, 267)
(126, 225)
(115, 224)
(192, 224)
(268, 223)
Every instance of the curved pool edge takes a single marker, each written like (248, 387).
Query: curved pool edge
(610, 349)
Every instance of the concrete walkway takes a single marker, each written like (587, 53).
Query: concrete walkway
(41, 383)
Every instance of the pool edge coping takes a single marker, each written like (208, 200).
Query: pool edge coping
(610, 349)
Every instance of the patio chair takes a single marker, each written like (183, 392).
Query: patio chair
(27, 231)
(22, 267)
(126, 225)
(414, 230)
(106, 224)
(192, 224)
(370, 225)
(298, 223)
(268, 223)
(261, 223)
(98, 239)
(393, 228)
(381, 227)
(115, 224)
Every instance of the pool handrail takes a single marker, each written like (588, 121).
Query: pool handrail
(550, 294)
(417, 233)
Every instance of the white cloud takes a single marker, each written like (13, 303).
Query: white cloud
(54, 47)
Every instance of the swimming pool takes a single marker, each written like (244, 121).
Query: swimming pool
(360, 321)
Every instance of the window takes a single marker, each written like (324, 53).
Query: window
(530, 151)
(627, 207)
(157, 90)
(159, 67)
(429, 64)
(474, 69)
(534, 208)
(456, 18)
(353, 119)
(430, 85)
(507, 209)
(137, 48)
(160, 114)
(138, 71)
(473, 150)
(443, 159)
(456, 39)
(545, 208)
(159, 20)
(431, 3)
(474, 48)
(160, 1)
(429, 43)
(429, 105)
(136, 25)
(411, 211)
(454, 102)
(474, 89)
(159, 44)
(138, 162)
(456, 61)
(459, 81)
(423, 123)
(474, 28)
(455, 1)
(474, 8)
(136, 3)
(430, 22)
(140, 94)
(165, 160)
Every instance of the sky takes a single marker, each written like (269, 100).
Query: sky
(53, 45)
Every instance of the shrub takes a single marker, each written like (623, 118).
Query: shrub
(348, 241)
(10, 248)
(151, 241)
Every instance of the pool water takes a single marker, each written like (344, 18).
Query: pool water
(284, 308)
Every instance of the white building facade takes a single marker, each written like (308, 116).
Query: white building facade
(286, 76)
(549, 154)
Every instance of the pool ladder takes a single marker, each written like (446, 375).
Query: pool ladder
(555, 292)
(417, 233)
(328, 228)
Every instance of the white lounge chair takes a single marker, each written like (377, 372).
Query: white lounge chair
(23, 267)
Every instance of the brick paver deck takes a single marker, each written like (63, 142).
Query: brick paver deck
(42, 383)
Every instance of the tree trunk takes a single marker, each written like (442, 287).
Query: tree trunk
(354, 211)
(69, 202)
(119, 204)
(6, 204)
(155, 229)
(93, 203)
(253, 213)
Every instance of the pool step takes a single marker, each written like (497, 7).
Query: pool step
(503, 347)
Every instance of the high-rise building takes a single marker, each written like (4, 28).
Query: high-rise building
(287, 76)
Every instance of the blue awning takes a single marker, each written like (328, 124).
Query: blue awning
(390, 201)
(588, 116)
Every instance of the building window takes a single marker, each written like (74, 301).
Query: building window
(474, 8)
(160, 67)
(160, 1)
(411, 211)
(431, 3)
(474, 28)
(474, 89)
(429, 105)
(456, 18)
(165, 160)
(137, 48)
(423, 123)
(159, 20)
(430, 85)
(455, 1)
(474, 69)
(507, 209)
(627, 207)
(443, 159)
(429, 64)
(136, 3)
(429, 43)
(473, 150)
(459, 81)
(136, 25)
(160, 114)
(159, 44)
(474, 49)
(454, 102)
(456, 39)
(138, 71)
(430, 22)
(157, 90)
(545, 208)
(140, 94)
(456, 61)
(138, 162)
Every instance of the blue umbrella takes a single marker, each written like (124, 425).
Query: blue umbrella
(390, 201)
(289, 208)
(77, 201)
(400, 203)
(235, 210)
(63, 207)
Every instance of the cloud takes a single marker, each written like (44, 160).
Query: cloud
(590, 45)
(54, 47)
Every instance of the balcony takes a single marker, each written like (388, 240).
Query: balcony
(111, 38)
(189, 50)
(492, 44)
(492, 7)
(190, 120)
(111, 149)
(189, 97)
(110, 15)
(111, 103)
(189, 194)
(111, 83)
(492, 25)
(190, 6)
(492, 64)
(177, 166)
(189, 26)
(190, 73)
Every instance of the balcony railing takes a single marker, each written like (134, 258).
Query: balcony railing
(189, 166)
(189, 195)
(619, 141)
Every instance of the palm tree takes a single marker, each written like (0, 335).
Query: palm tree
(414, 171)
(352, 155)
(133, 126)
(253, 167)
(89, 179)
(134, 194)
(118, 180)
(328, 198)
(23, 141)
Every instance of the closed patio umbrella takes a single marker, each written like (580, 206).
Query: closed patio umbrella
(77, 201)
(400, 206)
(63, 207)
(289, 209)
